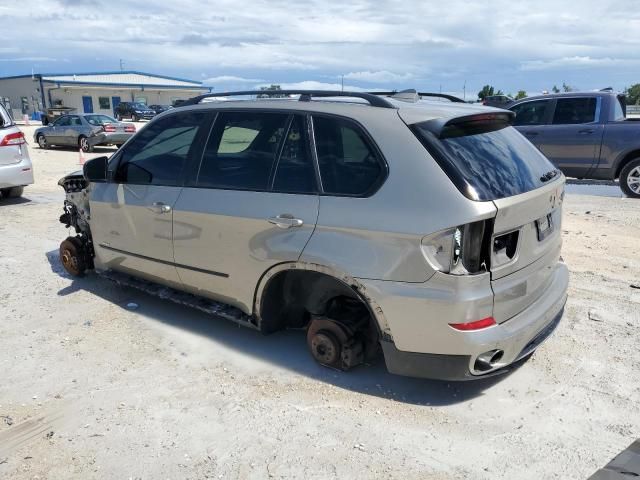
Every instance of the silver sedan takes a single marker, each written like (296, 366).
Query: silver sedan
(84, 131)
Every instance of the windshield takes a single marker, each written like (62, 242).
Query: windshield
(140, 106)
(488, 165)
(99, 119)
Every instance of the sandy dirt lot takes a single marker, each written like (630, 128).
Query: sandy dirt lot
(90, 389)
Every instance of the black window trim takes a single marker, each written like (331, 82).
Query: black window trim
(196, 151)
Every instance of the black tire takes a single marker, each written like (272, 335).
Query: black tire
(118, 117)
(13, 192)
(45, 121)
(134, 118)
(42, 142)
(630, 178)
(73, 257)
(83, 143)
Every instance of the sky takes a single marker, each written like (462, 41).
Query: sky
(454, 46)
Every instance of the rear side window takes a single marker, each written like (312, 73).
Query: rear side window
(348, 163)
(530, 113)
(571, 111)
(242, 149)
(159, 152)
(490, 165)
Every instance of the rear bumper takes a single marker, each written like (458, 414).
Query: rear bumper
(16, 174)
(424, 345)
(114, 138)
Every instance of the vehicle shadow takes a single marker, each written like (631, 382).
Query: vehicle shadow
(286, 349)
(12, 201)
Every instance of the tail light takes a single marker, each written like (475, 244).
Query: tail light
(475, 325)
(130, 128)
(16, 138)
(109, 128)
(462, 250)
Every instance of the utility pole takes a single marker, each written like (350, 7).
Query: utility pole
(121, 65)
(464, 91)
(342, 83)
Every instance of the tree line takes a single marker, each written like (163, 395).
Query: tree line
(632, 92)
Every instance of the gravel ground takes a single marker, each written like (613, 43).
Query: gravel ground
(91, 389)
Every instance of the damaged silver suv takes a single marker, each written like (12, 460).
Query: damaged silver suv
(429, 229)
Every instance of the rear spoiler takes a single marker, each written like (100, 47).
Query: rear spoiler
(469, 124)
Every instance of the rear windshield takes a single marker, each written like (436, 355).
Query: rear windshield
(488, 165)
(99, 119)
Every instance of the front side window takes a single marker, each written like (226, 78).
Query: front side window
(158, 154)
(530, 113)
(242, 149)
(348, 163)
(62, 122)
(571, 111)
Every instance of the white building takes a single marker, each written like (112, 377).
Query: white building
(97, 92)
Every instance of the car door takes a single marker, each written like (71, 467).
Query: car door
(72, 131)
(251, 204)
(55, 133)
(132, 213)
(531, 118)
(572, 141)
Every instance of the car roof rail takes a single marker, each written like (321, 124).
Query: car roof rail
(305, 96)
(411, 95)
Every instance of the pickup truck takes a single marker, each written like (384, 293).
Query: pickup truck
(586, 135)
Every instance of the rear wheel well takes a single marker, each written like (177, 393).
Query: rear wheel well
(627, 158)
(293, 297)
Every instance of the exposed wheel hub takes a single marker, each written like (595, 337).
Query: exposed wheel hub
(334, 344)
(325, 348)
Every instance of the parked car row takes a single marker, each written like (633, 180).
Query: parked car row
(137, 111)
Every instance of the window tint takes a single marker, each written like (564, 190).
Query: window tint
(575, 110)
(530, 113)
(348, 164)
(490, 165)
(158, 153)
(295, 172)
(241, 150)
(62, 121)
(75, 121)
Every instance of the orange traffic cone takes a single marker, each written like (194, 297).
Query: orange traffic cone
(81, 158)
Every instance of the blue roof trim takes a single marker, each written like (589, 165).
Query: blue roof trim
(111, 72)
(128, 85)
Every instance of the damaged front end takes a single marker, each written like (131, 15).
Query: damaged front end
(76, 253)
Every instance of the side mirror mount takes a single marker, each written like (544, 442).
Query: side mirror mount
(95, 170)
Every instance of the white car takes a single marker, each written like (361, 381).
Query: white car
(16, 170)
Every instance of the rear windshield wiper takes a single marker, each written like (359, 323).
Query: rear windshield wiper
(549, 175)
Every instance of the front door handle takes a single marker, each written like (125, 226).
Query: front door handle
(285, 220)
(585, 132)
(160, 207)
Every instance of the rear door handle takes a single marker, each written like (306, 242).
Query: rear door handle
(285, 220)
(160, 207)
(585, 132)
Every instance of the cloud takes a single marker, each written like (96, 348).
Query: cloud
(382, 76)
(230, 79)
(384, 43)
(575, 62)
(316, 85)
(30, 59)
